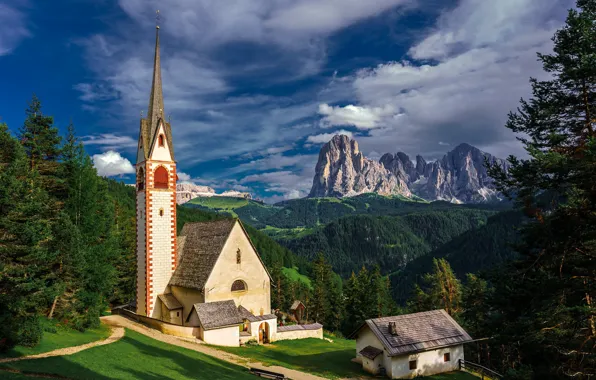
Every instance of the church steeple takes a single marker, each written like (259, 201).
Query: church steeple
(156, 109)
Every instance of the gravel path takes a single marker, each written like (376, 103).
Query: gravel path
(117, 333)
(196, 345)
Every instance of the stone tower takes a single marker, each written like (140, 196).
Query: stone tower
(156, 200)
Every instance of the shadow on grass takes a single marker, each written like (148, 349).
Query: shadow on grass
(135, 357)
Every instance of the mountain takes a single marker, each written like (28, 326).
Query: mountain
(342, 170)
(459, 177)
(186, 192)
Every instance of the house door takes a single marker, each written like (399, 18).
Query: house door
(264, 333)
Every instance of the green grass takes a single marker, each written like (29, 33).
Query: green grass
(135, 357)
(59, 337)
(316, 356)
(287, 233)
(220, 203)
(292, 274)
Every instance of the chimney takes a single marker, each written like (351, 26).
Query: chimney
(392, 328)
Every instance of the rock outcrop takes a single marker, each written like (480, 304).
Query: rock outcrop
(187, 191)
(342, 170)
(459, 177)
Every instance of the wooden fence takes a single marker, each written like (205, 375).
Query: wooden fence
(484, 372)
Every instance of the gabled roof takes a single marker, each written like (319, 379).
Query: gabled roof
(214, 315)
(200, 245)
(170, 301)
(296, 304)
(245, 314)
(417, 332)
(370, 352)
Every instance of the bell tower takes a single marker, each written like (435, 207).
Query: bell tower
(156, 200)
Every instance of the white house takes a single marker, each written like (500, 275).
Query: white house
(411, 345)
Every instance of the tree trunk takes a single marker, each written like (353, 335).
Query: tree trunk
(53, 307)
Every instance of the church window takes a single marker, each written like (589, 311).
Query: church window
(239, 286)
(161, 212)
(238, 256)
(177, 313)
(160, 178)
(141, 179)
(161, 139)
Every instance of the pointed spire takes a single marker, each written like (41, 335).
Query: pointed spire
(156, 109)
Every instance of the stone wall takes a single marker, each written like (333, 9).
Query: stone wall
(299, 334)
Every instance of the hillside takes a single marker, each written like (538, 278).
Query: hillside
(477, 249)
(389, 241)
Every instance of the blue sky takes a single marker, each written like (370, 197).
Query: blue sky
(254, 88)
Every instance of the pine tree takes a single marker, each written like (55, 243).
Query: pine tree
(319, 302)
(27, 279)
(547, 320)
(442, 290)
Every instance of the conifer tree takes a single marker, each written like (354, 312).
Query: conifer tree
(442, 290)
(545, 301)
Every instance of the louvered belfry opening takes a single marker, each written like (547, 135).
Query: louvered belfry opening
(160, 178)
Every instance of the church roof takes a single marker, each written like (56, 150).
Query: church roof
(417, 332)
(214, 315)
(245, 314)
(170, 301)
(155, 113)
(200, 244)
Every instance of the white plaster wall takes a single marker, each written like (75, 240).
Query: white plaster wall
(161, 244)
(254, 329)
(218, 287)
(187, 297)
(140, 153)
(429, 363)
(299, 334)
(161, 153)
(366, 338)
(141, 257)
(227, 336)
(193, 319)
(176, 316)
(372, 366)
(388, 364)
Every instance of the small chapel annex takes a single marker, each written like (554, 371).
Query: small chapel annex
(209, 282)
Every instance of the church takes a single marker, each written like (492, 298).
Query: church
(209, 282)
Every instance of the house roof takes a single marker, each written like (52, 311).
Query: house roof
(370, 352)
(296, 304)
(245, 314)
(214, 315)
(199, 246)
(170, 301)
(417, 332)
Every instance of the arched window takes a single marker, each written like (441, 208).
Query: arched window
(160, 178)
(238, 256)
(141, 179)
(161, 212)
(161, 139)
(239, 286)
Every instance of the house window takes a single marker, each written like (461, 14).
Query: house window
(238, 256)
(413, 364)
(161, 140)
(238, 286)
(160, 178)
(161, 212)
(447, 357)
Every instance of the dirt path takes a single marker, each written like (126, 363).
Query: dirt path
(117, 320)
(117, 333)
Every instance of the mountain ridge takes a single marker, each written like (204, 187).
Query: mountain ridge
(458, 177)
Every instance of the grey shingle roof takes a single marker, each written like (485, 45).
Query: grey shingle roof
(370, 352)
(202, 243)
(245, 314)
(213, 315)
(199, 247)
(313, 326)
(170, 301)
(418, 332)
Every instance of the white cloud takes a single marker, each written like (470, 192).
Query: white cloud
(483, 54)
(14, 28)
(183, 177)
(325, 137)
(111, 163)
(110, 141)
(290, 184)
(357, 116)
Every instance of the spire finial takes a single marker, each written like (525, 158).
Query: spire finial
(157, 19)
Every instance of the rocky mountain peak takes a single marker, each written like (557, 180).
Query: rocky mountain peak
(460, 176)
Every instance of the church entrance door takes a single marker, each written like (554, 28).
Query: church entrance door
(264, 333)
